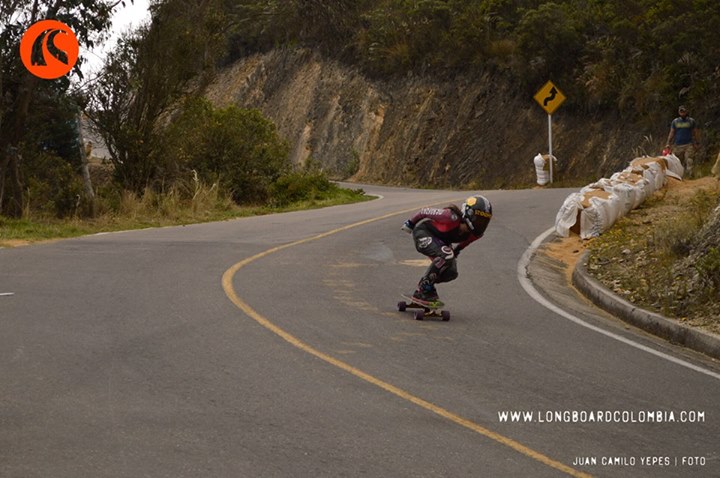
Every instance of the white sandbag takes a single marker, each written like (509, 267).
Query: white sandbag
(658, 173)
(624, 192)
(650, 185)
(568, 214)
(598, 206)
(588, 213)
(627, 195)
(653, 169)
(601, 209)
(636, 181)
(593, 219)
(541, 170)
(674, 166)
(670, 174)
(640, 193)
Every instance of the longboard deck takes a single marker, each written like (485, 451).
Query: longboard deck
(429, 305)
(434, 309)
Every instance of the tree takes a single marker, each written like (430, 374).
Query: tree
(145, 77)
(20, 91)
(549, 39)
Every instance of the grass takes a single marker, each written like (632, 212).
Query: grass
(127, 211)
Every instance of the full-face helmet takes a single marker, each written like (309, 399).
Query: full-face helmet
(477, 212)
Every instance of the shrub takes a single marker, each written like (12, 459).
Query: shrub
(53, 187)
(238, 148)
(299, 186)
(709, 267)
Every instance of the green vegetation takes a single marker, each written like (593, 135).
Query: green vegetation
(239, 149)
(37, 115)
(191, 203)
(632, 56)
(142, 83)
(709, 268)
(174, 158)
(635, 59)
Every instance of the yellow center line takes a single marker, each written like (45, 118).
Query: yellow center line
(227, 284)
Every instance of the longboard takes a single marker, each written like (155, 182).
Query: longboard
(423, 310)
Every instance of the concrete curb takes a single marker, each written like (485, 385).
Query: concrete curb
(651, 322)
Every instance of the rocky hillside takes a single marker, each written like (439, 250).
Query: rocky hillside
(423, 131)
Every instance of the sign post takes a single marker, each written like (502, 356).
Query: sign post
(550, 146)
(549, 97)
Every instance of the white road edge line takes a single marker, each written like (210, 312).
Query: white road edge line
(532, 292)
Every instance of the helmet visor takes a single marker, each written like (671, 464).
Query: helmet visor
(480, 223)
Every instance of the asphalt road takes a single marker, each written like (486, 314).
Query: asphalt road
(271, 347)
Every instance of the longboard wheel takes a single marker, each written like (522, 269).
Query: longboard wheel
(445, 314)
(419, 315)
(402, 306)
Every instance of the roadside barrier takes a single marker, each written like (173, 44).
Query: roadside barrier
(596, 207)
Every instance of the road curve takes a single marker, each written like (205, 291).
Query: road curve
(270, 346)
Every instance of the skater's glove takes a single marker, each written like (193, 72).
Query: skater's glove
(408, 226)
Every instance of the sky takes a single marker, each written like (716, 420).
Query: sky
(125, 18)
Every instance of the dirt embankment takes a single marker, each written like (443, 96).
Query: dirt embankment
(655, 259)
(464, 130)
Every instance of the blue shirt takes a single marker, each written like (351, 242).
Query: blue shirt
(683, 129)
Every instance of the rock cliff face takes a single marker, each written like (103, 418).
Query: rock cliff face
(465, 131)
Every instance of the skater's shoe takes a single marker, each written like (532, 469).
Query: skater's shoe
(427, 294)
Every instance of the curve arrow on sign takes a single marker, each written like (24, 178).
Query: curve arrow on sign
(553, 94)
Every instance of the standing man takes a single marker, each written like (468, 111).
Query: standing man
(684, 139)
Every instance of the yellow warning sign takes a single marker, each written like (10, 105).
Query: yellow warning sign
(549, 97)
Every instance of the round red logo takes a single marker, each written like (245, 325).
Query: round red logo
(49, 49)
